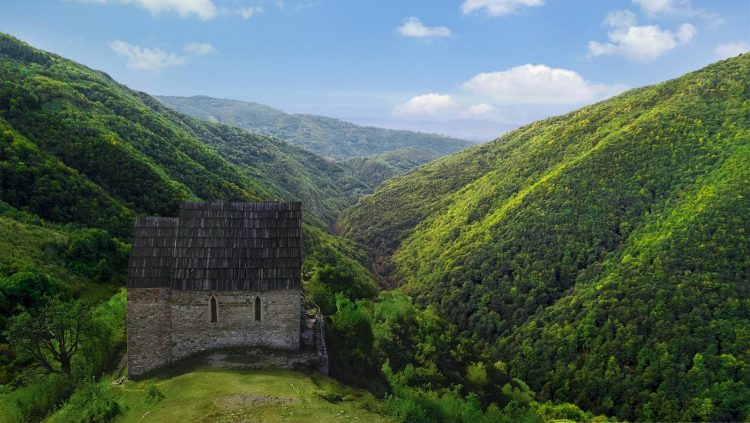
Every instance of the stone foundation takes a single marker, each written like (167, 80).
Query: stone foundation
(149, 324)
(165, 325)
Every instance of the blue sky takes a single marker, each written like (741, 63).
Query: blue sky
(470, 68)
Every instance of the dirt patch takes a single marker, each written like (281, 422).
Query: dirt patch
(240, 408)
(234, 402)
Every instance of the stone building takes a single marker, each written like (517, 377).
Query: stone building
(219, 275)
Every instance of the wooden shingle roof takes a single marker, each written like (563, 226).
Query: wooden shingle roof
(220, 246)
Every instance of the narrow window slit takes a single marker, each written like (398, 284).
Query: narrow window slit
(214, 309)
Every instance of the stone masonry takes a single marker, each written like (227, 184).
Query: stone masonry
(194, 282)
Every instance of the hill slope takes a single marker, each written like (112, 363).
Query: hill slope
(605, 254)
(235, 396)
(374, 170)
(78, 150)
(122, 152)
(324, 136)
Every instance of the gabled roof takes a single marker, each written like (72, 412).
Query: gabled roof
(220, 246)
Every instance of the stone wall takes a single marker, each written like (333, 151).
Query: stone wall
(193, 331)
(149, 324)
(166, 325)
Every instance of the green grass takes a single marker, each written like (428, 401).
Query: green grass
(229, 396)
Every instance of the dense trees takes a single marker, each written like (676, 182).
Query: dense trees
(592, 251)
(427, 370)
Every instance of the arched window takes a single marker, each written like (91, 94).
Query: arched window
(214, 305)
(257, 309)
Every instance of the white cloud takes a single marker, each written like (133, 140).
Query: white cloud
(413, 27)
(727, 50)
(538, 84)
(498, 7)
(653, 8)
(154, 59)
(432, 104)
(620, 18)
(199, 49)
(639, 43)
(203, 9)
(146, 58)
(248, 12)
(479, 110)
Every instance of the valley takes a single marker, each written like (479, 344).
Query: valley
(586, 267)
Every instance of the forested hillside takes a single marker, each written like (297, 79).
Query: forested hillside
(374, 170)
(324, 136)
(81, 150)
(604, 254)
(93, 135)
(81, 156)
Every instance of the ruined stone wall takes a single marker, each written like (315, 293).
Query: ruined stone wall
(149, 326)
(193, 331)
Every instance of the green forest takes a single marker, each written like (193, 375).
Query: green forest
(82, 155)
(603, 254)
(587, 267)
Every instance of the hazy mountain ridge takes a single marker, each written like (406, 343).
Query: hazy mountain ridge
(592, 250)
(321, 135)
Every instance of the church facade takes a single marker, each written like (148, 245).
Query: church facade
(219, 275)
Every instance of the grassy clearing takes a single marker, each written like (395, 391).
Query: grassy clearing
(234, 396)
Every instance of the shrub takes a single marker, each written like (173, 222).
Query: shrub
(34, 401)
(26, 289)
(94, 253)
(153, 394)
(93, 402)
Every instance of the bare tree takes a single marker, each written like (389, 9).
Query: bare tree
(51, 334)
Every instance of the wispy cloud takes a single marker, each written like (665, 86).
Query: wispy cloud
(199, 49)
(727, 50)
(653, 8)
(639, 43)
(246, 12)
(432, 104)
(413, 27)
(202, 9)
(498, 7)
(481, 110)
(155, 59)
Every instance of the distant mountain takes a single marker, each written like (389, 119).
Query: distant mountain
(477, 130)
(324, 136)
(604, 255)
